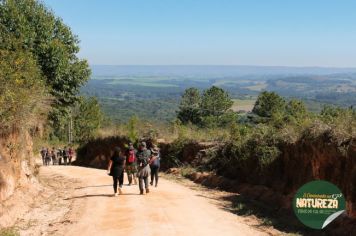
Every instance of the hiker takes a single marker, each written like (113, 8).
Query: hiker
(70, 153)
(143, 157)
(116, 169)
(131, 164)
(60, 156)
(155, 164)
(48, 157)
(65, 153)
(43, 155)
(53, 156)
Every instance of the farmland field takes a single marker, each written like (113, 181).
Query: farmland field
(153, 92)
(245, 105)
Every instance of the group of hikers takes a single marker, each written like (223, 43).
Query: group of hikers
(57, 156)
(140, 163)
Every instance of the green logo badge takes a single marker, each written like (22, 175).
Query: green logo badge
(318, 203)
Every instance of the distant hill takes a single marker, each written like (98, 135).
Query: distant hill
(153, 92)
(212, 71)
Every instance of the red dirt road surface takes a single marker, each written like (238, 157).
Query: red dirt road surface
(85, 198)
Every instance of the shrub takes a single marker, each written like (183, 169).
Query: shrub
(22, 91)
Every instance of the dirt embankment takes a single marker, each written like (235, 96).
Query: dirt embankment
(298, 163)
(319, 159)
(96, 153)
(17, 181)
(308, 159)
(186, 153)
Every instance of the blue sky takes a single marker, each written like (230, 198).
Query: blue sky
(213, 32)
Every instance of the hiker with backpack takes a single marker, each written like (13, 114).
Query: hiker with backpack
(43, 155)
(65, 155)
(143, 158)
(116, 169)
(155, 164)
(48, 157)
(60, 156)
(131, 164)
(53, 156)
(70, 155)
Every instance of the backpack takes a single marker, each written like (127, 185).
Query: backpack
(144, 161)
(156, 162)
(132, 156)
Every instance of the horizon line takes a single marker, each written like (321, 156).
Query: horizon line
(230, 65)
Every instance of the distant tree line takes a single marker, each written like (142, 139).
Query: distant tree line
(212, 108)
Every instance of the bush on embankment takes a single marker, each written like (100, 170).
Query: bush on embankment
(182, 151)
(96, 153)
(263, 159)
(280, 159)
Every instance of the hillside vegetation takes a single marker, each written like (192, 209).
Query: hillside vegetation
(265, 155)
(40, 77)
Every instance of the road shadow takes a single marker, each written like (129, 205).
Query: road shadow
(89, 195)
(267, 213)
(101, 195)
(94, 186)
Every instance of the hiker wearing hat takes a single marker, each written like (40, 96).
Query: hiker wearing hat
(116, 169)
(131, 164)
(155, 164)
(143, 158)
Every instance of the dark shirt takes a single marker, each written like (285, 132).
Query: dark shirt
(65, 153)
(117, 165)
(117, 161)
(43, 152)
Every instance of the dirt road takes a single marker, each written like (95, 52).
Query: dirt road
(82, 203)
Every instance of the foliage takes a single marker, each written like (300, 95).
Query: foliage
(296, 108)
(215, 105)
(22, 92)
(175, 153)
(330, 113)
(51, 42)
(295, 111)
(268, 103)
(273, 109)
(193, 132)
(87, 118)
(215, 101)
(28, 25)
(189, 107)
(341, 121)
(152, 110)
(211, 109)
(132, 129)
